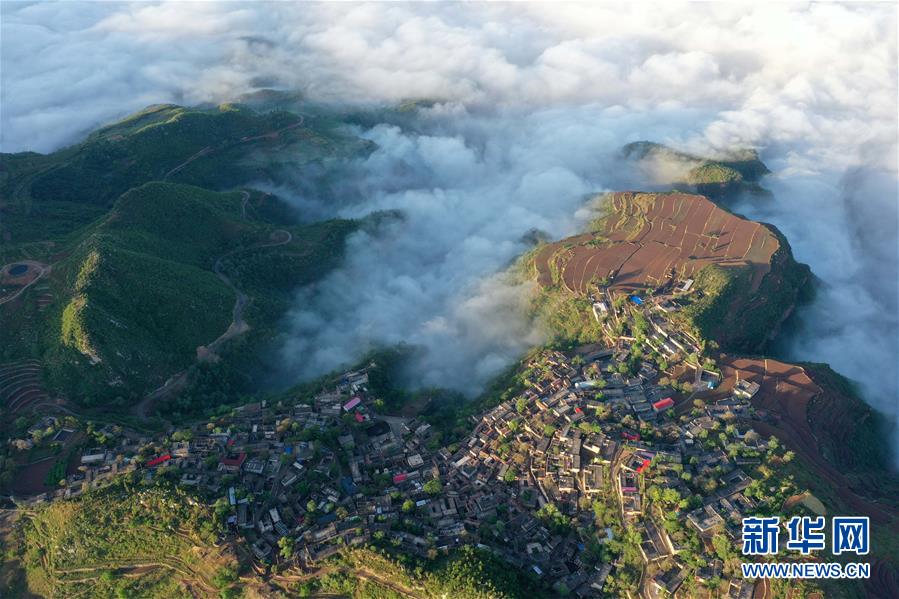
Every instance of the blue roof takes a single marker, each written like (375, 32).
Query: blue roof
(348, 486)
(637, 299)
(288, 449)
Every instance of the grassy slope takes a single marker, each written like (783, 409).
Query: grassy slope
(74, 549)
(138, 293)
(861, 442)
(464, 573)
(741, 321)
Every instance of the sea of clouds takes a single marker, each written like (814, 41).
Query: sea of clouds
(534, 101)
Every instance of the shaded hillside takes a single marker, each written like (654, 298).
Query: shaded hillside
(142, 275)
(850, 433)
(721, 179)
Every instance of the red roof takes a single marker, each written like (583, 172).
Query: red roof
(578, 410)
(643, 466)
(630, 436)
(159, 460)
(234, 460)
(359, 417)
(399, 478)
(663, 404)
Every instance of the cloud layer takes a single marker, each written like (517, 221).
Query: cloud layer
(535, 100)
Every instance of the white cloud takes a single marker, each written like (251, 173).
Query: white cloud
(537, 98)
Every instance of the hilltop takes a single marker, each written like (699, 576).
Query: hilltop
(743, 275)
(721, 179)
(217, 148)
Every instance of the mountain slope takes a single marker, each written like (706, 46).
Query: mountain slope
(216, 148)
(139, 294)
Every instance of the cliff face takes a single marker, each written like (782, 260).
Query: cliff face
(755, 314)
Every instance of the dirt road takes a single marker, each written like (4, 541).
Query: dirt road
(177, 382)
(43, 269)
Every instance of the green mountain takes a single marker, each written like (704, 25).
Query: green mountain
(150, 255)
(216, 148)
(139, 295)
(720, 179)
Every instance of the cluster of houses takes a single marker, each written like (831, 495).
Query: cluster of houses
(332, 473)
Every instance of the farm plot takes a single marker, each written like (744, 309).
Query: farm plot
(20, 385)
(647, 238)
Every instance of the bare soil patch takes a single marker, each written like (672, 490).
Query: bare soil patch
(649, 237)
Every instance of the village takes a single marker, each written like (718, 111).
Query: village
(609, 474)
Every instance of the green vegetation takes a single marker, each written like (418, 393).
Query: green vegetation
(723, 307)
(133, 294)
(433, 487)
(464, 573)
(230, 145)
(721, 179)
(567, 319)
(139, 281)
(137, 295)
(57, 473)
(75, 548)
(713, 173)
(859, 445)
(717, 290)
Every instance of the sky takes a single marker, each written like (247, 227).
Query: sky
(534, 101)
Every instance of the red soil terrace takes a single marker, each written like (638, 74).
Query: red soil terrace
(647, 237)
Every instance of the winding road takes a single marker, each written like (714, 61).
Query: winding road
(44, 270)
(177, 382)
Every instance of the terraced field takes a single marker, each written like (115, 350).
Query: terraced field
(77, 551)
(646, 239)
(20, 386)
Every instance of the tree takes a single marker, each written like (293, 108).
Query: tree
(408, 506)
(287, 545)
(521, 405)
(556, 520)
(183, 435)
(224, 577)
(510, 476)
(433, 487)
(310, 506)
(723, 547)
